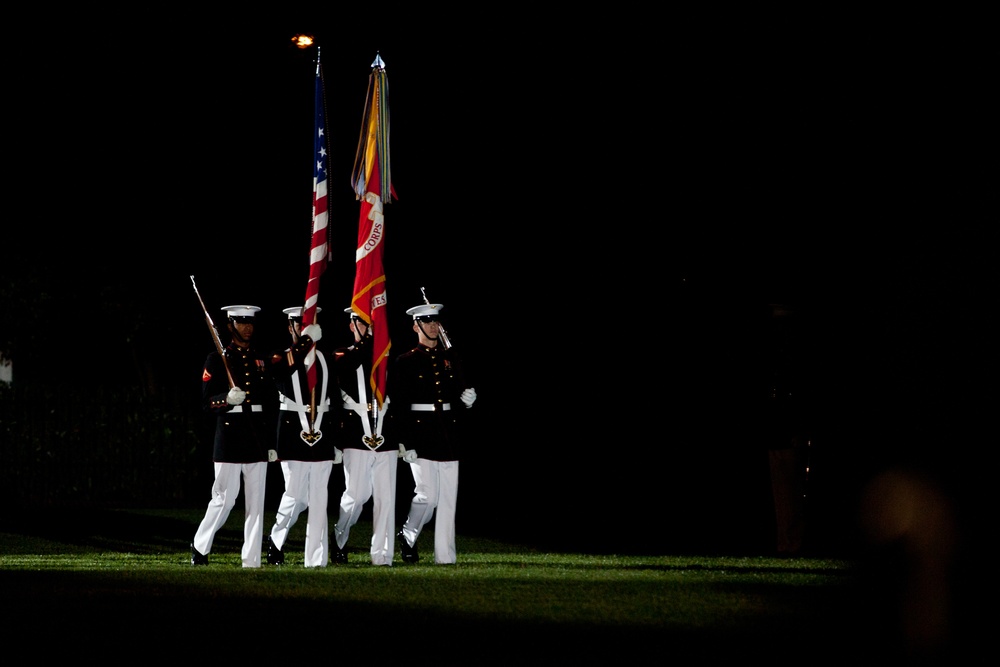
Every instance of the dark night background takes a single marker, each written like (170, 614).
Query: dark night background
(605, 205)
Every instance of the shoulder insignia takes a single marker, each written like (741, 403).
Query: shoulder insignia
(205, 375)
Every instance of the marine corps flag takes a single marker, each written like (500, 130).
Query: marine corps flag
(372, 183)
(319, 248)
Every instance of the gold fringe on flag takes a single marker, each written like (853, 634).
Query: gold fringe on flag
(373, 143)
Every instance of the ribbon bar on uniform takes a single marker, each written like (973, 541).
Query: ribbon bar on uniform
(253, 408)
(429, 407)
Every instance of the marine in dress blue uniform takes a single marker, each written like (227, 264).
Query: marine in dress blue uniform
(371, 457)
(306, 442)
(430, 396)
(244, 431)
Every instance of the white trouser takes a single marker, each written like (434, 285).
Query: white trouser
(435, 487)
(306, 485)
(225, 490)
(369, 474)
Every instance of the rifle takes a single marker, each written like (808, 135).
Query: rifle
(441, 332)
(215, 335)
(446, 344)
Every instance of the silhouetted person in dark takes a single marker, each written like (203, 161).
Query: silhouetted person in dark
(786, 427)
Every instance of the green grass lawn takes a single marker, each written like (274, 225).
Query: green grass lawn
(94, 579)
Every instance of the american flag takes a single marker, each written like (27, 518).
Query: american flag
(319, 248)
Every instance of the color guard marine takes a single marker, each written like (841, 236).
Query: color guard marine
(306, 441)
(237, 388)
(371, 458)
(429, 398)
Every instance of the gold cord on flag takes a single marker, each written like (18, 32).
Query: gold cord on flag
(373, 143)
(372, 184)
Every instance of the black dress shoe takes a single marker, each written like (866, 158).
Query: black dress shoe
(274, 555)
(198, 558)
(340, 555)
(409, 553)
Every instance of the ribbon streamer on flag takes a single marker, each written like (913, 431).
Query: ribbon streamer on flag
(372, 184)
(319, 247)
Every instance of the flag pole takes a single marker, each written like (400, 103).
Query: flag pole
(319, 245)
(371, 180)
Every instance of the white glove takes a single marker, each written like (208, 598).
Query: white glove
(469, 397)
(272, 455)
(410, 456)
(313, 331)
(235, 396)
(338, 456)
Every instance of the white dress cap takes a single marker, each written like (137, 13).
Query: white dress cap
(432, 309)
(241, 311)
(296, 312)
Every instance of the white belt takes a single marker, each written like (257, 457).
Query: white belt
(429, 407)
(288, 404)
(253, 408)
